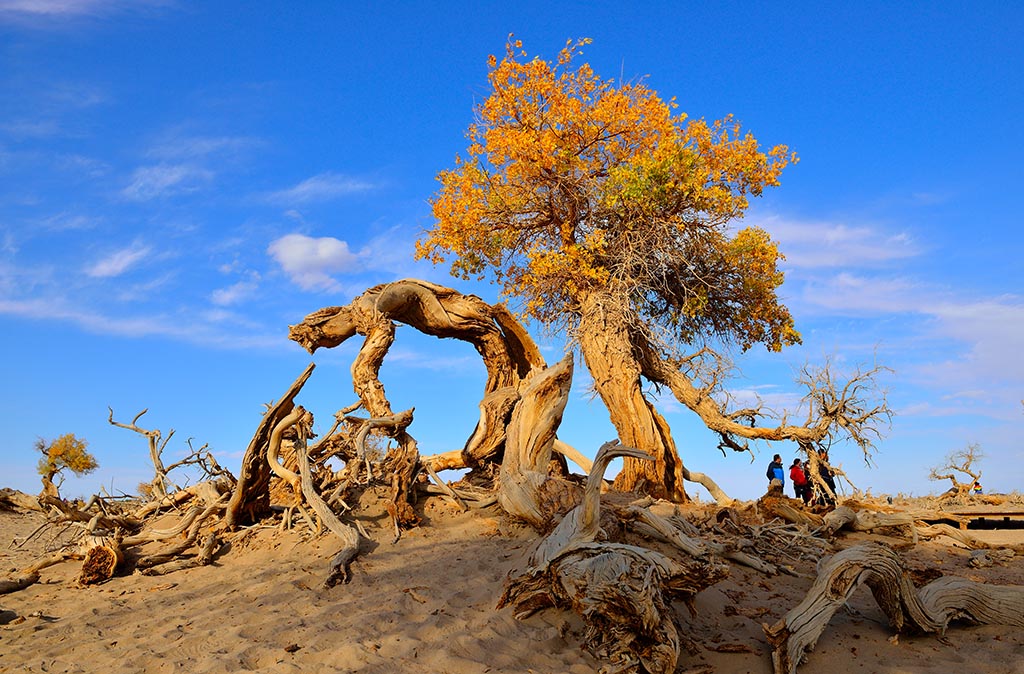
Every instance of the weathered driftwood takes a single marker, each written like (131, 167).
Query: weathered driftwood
(205, 490)
(69, 513)
(211, 546)
(960, 536)
(859, 518)
(524, 488)
(274, 448)
(624, 595)
(581, 524)
(19, 583)
(622, 592)
(645, 522)
(193, 522)
(251, 497)
(790, 510)
(573, 454)
(30, 574)
(12, 499)
(928, 609)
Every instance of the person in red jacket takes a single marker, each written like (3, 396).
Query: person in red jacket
(799, 479)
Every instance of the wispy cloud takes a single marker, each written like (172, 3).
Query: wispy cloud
(81, 165)
(150, 182)
(322, 187)
(829, 244)
(234, 293)
(31, 128)
(73, 8)
(431, 361)
(851, 293)
(309, 262)
(213, 331)
(993, 329)
(953, 341)
(118, 262)
(178, 146)
(64, 222)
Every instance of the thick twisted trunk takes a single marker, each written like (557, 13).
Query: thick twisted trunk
(604, 337)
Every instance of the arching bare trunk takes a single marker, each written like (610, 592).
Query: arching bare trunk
(508, 352)
(605, 341)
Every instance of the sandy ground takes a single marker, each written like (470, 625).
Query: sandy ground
(427, 604)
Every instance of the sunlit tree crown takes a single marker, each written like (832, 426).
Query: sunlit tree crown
(573, 184)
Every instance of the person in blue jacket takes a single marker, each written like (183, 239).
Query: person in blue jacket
(776, 471)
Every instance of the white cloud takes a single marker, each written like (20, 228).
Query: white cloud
(309, 262)
(322, 187)
(994, 331)
(118, 262)
(149, 182)
(847, 292)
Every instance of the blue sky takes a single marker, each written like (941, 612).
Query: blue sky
(180, 181)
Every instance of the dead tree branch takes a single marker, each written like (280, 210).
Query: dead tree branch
(160, 484)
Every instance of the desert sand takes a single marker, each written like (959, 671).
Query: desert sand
(427, 604)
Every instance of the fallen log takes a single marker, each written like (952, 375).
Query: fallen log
(926, 610)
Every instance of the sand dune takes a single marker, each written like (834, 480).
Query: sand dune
(427, 604)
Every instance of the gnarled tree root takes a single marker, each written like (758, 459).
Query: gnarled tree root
(623, 593)
(928, 609)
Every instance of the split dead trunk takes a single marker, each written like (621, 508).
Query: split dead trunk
(101, 561)
(524, 488)
(251, 498)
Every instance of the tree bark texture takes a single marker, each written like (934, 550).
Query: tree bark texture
(622, 592)
(605, 340)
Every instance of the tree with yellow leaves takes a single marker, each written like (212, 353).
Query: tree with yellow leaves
(66, 452)
(611, 216)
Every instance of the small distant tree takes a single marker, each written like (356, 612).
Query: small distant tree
(66, 452)
(958, 465)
